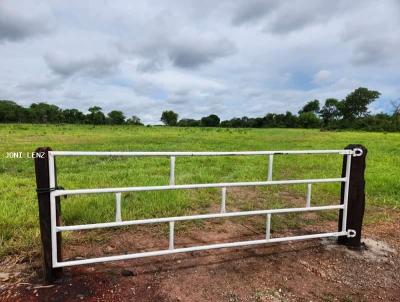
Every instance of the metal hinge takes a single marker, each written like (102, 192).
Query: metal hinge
(351, 233)
(357, 152)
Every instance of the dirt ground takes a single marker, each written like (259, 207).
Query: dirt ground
(312, 270)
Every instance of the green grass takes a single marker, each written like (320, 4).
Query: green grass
(18, 206)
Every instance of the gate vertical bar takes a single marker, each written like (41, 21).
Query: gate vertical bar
(353, 195)
(118, 207)
(223, 200)
(172, 171)
(171, 235)
(43, 166)
(308, 198)
(270, 166)
(268, 227)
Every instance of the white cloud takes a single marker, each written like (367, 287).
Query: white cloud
(322, 76)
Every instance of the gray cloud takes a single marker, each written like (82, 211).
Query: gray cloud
(376, 41)
(370, 52)
(192, 54)
(252, 11)
(15, 26)
(376, 51)
(95, 66)
(188, 49)
(178, 101)
(289, 22)
(281, 17)
(152, 64)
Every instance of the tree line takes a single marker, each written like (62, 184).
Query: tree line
(351, 112)
(43, 113)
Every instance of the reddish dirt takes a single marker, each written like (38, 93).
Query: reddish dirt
(317, 270)
(312, 270)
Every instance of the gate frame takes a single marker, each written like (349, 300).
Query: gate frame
(351, 208)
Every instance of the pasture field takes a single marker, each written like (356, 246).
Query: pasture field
(18, 204)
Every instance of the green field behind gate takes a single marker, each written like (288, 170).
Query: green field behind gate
(18, 205)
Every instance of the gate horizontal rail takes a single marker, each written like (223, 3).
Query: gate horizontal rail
(197, 248)
(55, 193)
(194, 217)
(216, 153)
(197, 186)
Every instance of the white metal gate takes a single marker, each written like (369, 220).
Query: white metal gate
(222, 214)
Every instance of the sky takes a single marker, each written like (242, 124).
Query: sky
(230, 58)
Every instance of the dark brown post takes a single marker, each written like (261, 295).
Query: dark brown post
(356, 200)
(43, 193)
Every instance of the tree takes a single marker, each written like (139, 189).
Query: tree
(225, 124)
(269, 120)
(45, 113)
(257, 122)
(309, 120)
(273, 120)
(395, 107)
(73, 116)
(116, 117)
(311, 106)
(210, 121)
(11, 112)
(291, 121)
(233, 123)
(330, 111)
(187, 122)
(96, 116)
(355, 105)
(396, 114)
(134, 120)
(169, 118)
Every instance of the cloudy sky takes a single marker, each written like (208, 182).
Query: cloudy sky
(232, 58)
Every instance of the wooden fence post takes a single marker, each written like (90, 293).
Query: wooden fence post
(356, 200)
(43, 193)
